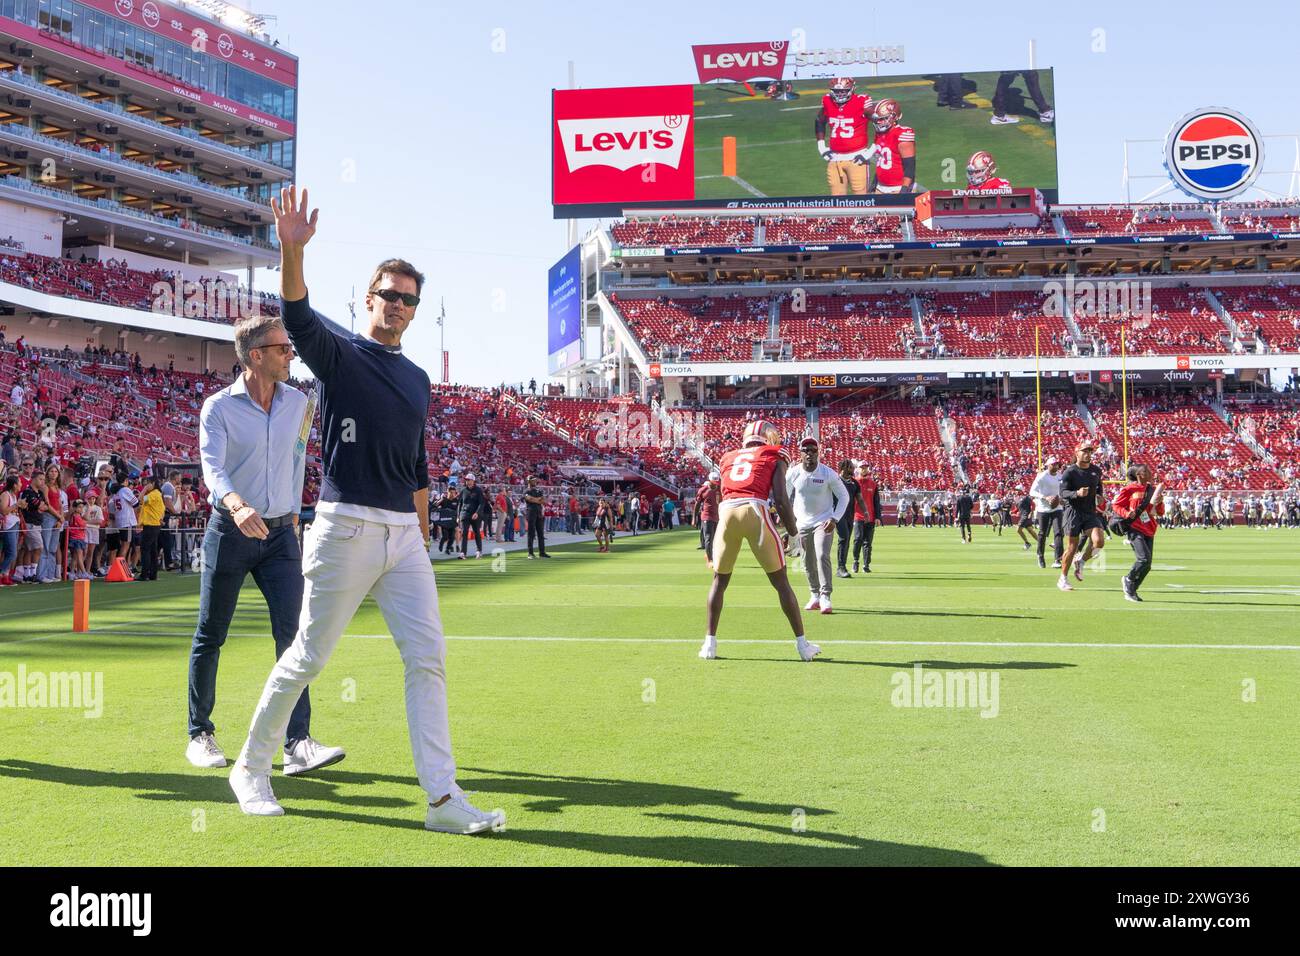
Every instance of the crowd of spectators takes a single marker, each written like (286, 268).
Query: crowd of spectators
(114, 282)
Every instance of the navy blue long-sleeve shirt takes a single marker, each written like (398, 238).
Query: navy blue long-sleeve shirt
(373, 406)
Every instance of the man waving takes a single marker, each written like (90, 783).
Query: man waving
(371, 532)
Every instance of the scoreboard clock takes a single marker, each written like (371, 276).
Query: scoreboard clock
(821, 381)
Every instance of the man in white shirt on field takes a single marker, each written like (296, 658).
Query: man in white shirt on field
(1046, 492)
(820, 500)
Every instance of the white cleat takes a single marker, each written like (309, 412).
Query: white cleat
(1078, 569)
(825, 604)
(1004, 120)
(253, 790)
(310, 754)
(204, 752)
(808, 650)
(814, 603)
(709, 649)
(1063, 584)
(1047, 116)
(458, 815)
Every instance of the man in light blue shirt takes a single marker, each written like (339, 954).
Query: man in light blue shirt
(252, 442)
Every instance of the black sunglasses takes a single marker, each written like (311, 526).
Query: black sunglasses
(392, 295)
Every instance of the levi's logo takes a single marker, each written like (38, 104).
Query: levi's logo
(726, 61)
(624, 142)
(740, 61)
(1184, 362)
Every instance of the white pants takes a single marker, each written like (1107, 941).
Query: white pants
(816, 543)
(346, 559)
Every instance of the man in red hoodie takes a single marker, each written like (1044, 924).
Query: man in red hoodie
(1137, 505)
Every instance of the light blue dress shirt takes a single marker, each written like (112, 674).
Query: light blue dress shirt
(249, 451)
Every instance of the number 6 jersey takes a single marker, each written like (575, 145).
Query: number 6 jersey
(747, 473)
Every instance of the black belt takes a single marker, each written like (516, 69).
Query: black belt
(271, 523)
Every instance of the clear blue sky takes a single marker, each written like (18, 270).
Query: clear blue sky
(450, 141)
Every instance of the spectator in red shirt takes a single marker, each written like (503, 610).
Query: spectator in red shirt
(1138, 504)
(77, 542)
(706, 514)
(574, 516)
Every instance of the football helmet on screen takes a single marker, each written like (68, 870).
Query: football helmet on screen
(980, 168)
(842, 89)
(886, 115)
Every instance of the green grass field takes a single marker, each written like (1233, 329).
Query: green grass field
(579, 706)
(776, 150)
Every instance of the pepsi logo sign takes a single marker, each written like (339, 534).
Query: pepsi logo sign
(1214, 153)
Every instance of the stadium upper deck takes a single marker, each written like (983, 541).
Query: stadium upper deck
(140, 143)
(1179, 279)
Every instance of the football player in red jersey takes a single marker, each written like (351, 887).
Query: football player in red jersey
(981, 172)
(749, 475)
(849, 117)
(895, 147)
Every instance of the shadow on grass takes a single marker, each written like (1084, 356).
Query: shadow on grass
(795, 850)
(555, 793)
(196, 787)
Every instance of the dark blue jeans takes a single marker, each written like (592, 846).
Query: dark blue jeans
(276, 566)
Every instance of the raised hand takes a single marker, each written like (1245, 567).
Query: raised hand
(293, 226)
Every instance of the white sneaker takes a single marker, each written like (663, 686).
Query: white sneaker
(814, 603)
(1063, 584)
(825, 604)
(1004, 120)
(1078, 568)
(1047, 116)
(253, 791)
(310, 754)
(458, 815)
(204, 752)
(808, 650)
(709, 649)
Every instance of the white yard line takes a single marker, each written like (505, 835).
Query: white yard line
(831, 643)
(747, 187)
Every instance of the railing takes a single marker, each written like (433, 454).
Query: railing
(107, 106)
(189, 179)
(109, 205)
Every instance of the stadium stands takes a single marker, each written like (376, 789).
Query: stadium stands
(673, 231)
(996, 440)
(1045, 228)
(782, 230)
(841, 327)
(1269, 315)
(706, 329)
(1181, 320)
(1274, 423)
(113, 283)
(898, 440)
(1133, 220)
(1189, 445)
(987, 324)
